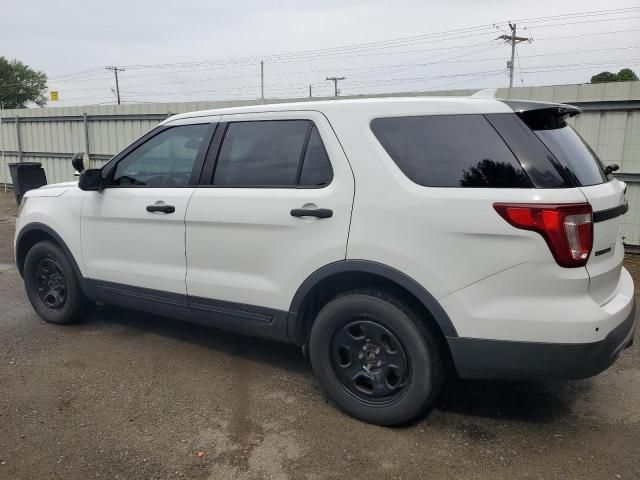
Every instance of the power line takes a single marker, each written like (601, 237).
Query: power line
(361, 83)
(389, 42)
(520, 68)
(378, 48)
(338, 51)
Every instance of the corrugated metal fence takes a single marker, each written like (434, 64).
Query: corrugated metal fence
(610, 124)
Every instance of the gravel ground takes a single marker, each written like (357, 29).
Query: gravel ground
(132, 396)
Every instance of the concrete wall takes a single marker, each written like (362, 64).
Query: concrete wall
(610, 123)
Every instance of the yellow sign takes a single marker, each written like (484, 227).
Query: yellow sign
(54, 95)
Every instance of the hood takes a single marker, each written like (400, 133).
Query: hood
(52, 190)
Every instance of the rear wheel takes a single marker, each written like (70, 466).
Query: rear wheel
(52, 285)
(375, 358)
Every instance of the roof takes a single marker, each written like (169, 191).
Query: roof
(392, 106)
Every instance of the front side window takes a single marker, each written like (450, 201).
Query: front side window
(167, 159)
(272, 153)
(450, 151)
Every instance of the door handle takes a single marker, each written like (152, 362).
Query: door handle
(312, 212)
(161, 208)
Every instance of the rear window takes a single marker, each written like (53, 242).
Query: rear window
(450, 151)
(571, 151)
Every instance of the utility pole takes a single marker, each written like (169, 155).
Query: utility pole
(310, 95)
(335, 81)
(115, 70)
(262, 80)
(512, 39)
(4, 165)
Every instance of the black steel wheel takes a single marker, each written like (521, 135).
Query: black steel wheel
(370, 362)
(375, 358)
(52, 284)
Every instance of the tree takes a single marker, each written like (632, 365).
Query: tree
(604, 77)
(627, 75)
(624, 75)
(489, 173)
(20, 84)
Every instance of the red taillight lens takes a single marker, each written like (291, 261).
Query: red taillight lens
(567, 228)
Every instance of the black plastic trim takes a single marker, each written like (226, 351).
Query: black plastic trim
(236, 317)
(36, 226)
(609, 213)
(480, 358)
(520, 106)
(241, 310)
(367, 266)
(49, 231)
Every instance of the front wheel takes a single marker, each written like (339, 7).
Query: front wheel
(52, 285)
(375, 358)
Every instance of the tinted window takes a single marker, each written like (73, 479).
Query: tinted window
(450, 151)
(536, 159)
(316, 167)
(579, 161)
(265, 153)
(165, 159)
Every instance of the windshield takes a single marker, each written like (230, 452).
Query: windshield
(573, 153)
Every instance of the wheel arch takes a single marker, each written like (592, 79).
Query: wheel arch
(34, 233)
(334, 278)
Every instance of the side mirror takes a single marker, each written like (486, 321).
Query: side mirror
(614, 167)
(91, 180)
(78, 162)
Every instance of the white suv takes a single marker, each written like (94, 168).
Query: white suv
(391, 238)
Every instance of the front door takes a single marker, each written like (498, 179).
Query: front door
(276, 208)
(133, 231)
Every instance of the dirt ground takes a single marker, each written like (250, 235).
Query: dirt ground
(132, 396)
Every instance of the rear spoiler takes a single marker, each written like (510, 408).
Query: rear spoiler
(559, 109)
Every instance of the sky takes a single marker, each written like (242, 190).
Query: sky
(193, 50)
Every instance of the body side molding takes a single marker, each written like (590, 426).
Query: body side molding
(230, 316)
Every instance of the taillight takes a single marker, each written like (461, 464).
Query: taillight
(567, 228)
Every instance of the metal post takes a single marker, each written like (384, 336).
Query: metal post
(4, 163)
(310, 95)
(85, 121)
(262, 80)
(19, 140)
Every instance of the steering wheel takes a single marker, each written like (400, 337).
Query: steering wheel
(176, 179)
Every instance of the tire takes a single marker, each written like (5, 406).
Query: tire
(52, 285)
(376, 340)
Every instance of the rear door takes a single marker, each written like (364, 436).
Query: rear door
(275, 208)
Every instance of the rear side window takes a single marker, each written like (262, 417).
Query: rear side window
(536, 159)
(261, 153)
(450, 151)
(272, 153)
(574, 155)
(316, 167)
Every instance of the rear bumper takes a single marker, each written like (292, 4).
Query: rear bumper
(483, 358)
